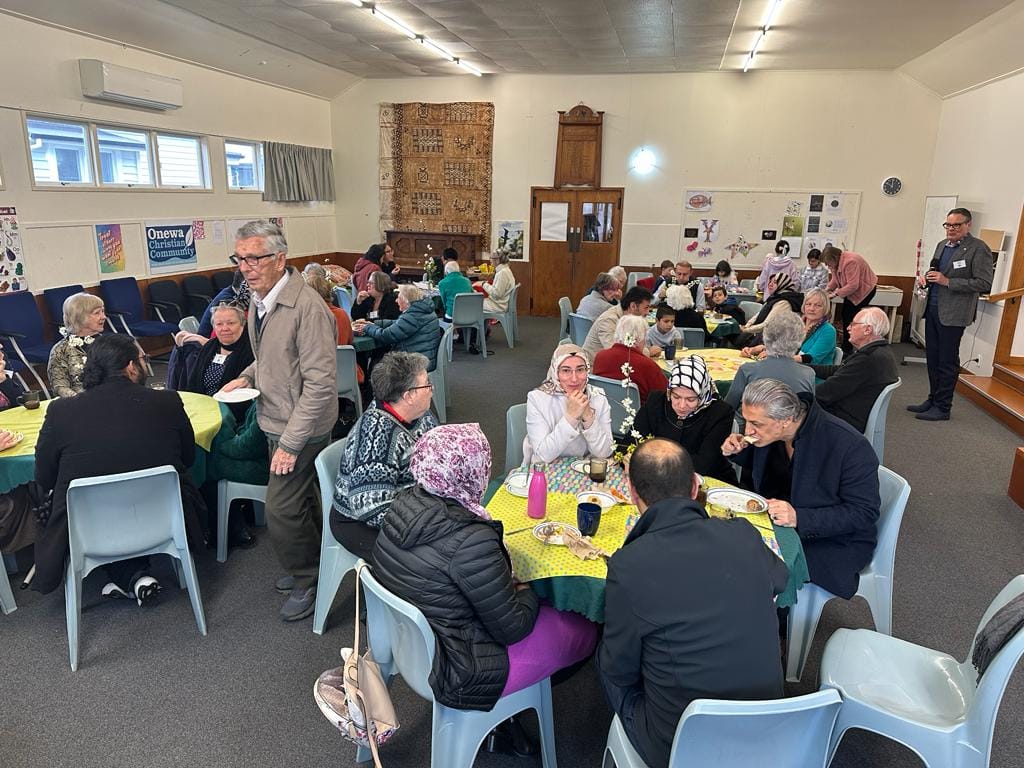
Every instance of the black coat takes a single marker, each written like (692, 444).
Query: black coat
(701, 435)
(849, 390)
(835, 495)
(689, 615)
(691, 318)
(117, 426)
(451, 565)
(388, 309)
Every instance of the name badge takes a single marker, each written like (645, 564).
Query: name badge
(373, 315)
(219, 359)
(960, 264)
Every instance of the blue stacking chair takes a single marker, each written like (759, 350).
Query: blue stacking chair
(347, 377)
(439, 376)
(468, 312)
(21, 328)
(222, 280)
(874, 430)
(403, 643)
(579, 327)
(123, 300)
(335, 560)
(564, 310)
(55, 298)
(343, 298)
(167, 300)
(515, 433)
(7, 604)
(509, 319)
(199, 292)
(693, 338)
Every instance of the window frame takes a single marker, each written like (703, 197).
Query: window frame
(206, 183)
(260, 169)
(98, 157)
(90, 163)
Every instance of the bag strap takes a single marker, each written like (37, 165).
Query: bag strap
(359, 583)
(370, 725)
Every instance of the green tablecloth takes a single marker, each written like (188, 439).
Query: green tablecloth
(363, 343)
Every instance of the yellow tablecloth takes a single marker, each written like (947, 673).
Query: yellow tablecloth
(28, 423)
(204, 413)
(722, 363)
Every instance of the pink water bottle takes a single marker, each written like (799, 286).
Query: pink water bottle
(537, 493)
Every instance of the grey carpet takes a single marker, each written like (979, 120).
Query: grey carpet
(150, 691)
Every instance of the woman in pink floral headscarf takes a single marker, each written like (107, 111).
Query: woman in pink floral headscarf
(439, 549)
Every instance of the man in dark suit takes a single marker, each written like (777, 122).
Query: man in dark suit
(849, 390)
(960, 271)
(713, 636)
(115, 425)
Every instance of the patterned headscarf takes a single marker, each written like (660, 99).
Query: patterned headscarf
(783, 282)
(692, 372)
(550, 385)
(453, 461)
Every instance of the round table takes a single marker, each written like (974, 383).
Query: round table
(722, 365)
(18, 464)
(577, 585)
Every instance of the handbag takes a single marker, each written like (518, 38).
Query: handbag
(354, 696)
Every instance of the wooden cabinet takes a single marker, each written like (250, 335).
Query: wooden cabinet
(411, 247)
(578, 154)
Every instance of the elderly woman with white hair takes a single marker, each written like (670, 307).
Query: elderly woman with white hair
(498, 291)
(680, 298)
(565, 416)
(629, 349)
(819, 344)
(783, 335)
(84, 320)
(415, 330)
(451, 285)
(820, 476)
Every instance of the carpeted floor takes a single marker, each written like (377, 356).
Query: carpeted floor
(150, 691)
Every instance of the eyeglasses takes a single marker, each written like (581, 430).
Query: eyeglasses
(425, 386)
(954, 225)
(249, 261)
(573, 371)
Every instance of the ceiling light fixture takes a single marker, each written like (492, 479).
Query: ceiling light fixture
(394, 23)
(644, 161)
(399, 27)
(772, 11)
(469, 67)
(762, 34)
(440, 51)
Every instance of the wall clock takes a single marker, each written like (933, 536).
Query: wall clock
(892, 186)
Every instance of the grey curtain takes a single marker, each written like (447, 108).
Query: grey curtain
(296, 174)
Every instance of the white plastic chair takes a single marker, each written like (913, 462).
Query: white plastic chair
(875, 580)
(633, 277)
(403, 643)
(348, 379)
(468, 312)
(335, 560)
(735, 734)
(439, 376)
(924, 699)
(693, 338)
(750, 310)
(579, 327)
(515, 433)
(750, 285)
(564, 310)
(509, 319)
(117, 517)
(7, 603)
(615, 392)
(874, 430)
(837, 357)
(189, 324)
(227, 492)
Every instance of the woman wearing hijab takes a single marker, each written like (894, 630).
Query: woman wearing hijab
(565, 416)
(690, 413)
(439, 549)
(784, 297)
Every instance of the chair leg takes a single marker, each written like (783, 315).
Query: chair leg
(73, 611)
(877, 592)
(483, 338)
(452, 743)
(7, 602)
(546, 720)
(189, 570)
(259, 513)
(332, 573)
(223, 508)
(803, 622)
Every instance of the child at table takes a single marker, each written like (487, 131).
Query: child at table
(664, 332)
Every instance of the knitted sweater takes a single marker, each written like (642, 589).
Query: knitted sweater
(375, 464)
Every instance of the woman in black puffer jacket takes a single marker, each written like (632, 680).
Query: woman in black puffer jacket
(439, 549)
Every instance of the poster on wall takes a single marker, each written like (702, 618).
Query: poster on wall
(170, 246)
(12, 265)
(698, 200)
(110, 248)
(510, 238)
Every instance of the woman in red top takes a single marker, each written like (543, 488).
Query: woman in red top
(853, 281)
(630, 339)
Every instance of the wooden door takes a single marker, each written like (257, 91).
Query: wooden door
(574, 235)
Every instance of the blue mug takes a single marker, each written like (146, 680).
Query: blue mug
(588, 518)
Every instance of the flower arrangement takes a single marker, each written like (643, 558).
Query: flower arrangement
(430, 266)
(627, 428)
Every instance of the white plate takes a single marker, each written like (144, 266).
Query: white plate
(240, 395)
(602, 498)
(18, 437)
(581, 465)
(517, 483)
(538, 533)
(735, 500)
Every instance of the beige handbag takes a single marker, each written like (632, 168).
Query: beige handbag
(353, 695)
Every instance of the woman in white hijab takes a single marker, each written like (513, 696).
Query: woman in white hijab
(565, 416)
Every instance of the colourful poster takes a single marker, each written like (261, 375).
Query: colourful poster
(510, 238)
(12, 260)
(170, 247)
(110, 248)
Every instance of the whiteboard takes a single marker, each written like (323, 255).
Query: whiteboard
(936, 208)
(729, 217)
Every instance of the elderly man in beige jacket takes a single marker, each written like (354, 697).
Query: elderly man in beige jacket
(294, 339)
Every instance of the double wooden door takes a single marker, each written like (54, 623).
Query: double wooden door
(574, 235)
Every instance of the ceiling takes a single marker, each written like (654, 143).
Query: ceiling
(321, 46)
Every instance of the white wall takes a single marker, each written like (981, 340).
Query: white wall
(978, 157)
(42, 77)
(818, 131)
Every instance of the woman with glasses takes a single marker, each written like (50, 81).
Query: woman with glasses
(375, 464)
(565, 416)
(84, 320)
(853, 281)
(377, 301)
(415, 330)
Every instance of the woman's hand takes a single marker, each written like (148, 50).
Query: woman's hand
(576, 405)
(359, 327)
(753, 353)
(361, 297)
(397, 269)
(181, 338)
(238, 383)
(782, 513)
(7, 439)
(733, 444)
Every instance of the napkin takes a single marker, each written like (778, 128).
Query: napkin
(582, 546)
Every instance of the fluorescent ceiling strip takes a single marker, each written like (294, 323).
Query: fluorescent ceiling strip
(758, 43)
(394, 23)
(772, 11)
(438, 49)
(399, 27)
(469, 67)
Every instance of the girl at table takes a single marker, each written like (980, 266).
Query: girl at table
(690, 413)
(84, 319)
(565, 416)
(439, 549)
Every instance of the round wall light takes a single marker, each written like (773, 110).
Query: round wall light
(644, 161)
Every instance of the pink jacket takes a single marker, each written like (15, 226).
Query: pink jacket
(854, 279)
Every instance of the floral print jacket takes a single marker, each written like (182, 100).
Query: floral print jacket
(67, 360)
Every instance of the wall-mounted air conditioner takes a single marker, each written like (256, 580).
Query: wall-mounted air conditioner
(101, 80)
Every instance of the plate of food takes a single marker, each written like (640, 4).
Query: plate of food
(518, 483)
(240, 395)
(736, 501)
(551, 533)
(602, 498)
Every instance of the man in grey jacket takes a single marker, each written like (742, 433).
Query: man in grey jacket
(960, 270)
(294, 340)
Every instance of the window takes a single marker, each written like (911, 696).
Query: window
(244, 161)
(124, 156)
(182, 161)
(60, 152)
